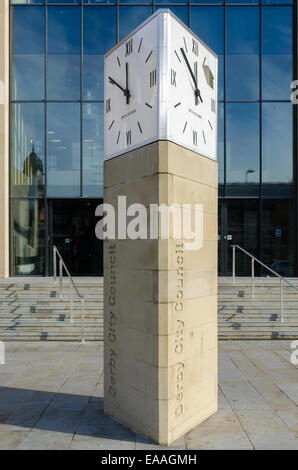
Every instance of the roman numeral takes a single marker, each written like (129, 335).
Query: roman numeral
(139, 48)
(129, 47)
(153, 78)
(173, 77)
(195, 47)
(108, 105)
(204, 137)
(128, 137)
(194, 137)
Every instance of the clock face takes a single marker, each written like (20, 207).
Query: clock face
(192, 92)
(131, 91)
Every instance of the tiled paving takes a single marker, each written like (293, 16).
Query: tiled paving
(51, 397)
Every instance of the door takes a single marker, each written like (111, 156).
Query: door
(71, 229)
(238, 225)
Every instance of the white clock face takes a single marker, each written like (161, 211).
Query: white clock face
(131, 91)
(192, 92)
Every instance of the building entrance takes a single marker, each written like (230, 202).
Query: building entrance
(71, 229)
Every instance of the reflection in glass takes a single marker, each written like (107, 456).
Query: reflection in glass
(76, 2)
(64, 46)
(170, 1)
(180, 11)
(98, 2)
(27, 236)
(220, 147)
(279, 235)
(93, 149)
(131, 17)
(63, 149)
(242, 229)
(16, 2)
(277, 149)
(27, 149)
(99, 37)
(242, 74)
(27, 45)
(242, 149)
(208, 24)
(278, 2)
(276, 53)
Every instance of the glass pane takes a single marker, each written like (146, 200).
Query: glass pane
(27, 46)
(136, 1)
(93, 142)
(170, 1)
(242, 75)
(278, 236)
(76, 2)
(130, 18)
(242, 230)
(277, 46)
(27, 149)
(207, 1)
(220, 147)
(15, 2)
(180, 11)
(98, 2)
(64, 46)
(252, 2)
(277, 1)
(63, 149)
(277, 149)
(99, 38)
(242, 149)
(208, 24)
(27, 236)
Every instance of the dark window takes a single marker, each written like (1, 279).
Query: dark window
(278, 235)
(242, 149)
(277, 152)
(64, 46)
(27, 220)
(99, 37)
(27, 149)
(63, 149)
(242, 74)
(93, 149)
(27, 46)
(276, 53)
(208, 24)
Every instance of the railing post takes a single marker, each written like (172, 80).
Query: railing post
(281, 302)
(82, 320)
(55, 263)
(71, 302)
(252, 278)
(60, 279)
(233, 263)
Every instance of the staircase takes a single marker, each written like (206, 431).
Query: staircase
(241, 317)
(30, 309)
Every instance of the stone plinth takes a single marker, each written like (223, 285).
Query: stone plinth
(160, 299)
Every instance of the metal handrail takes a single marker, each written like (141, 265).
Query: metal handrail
(71, 287)
(253, 259)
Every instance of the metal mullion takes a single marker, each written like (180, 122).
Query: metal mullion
(260, 205)
(81, 105)
(224, 106)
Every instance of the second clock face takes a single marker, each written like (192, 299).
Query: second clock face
(131, 92)
(192, 95)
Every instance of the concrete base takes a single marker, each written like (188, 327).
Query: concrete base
(160, 299)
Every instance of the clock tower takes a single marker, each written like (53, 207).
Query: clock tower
(160, 289)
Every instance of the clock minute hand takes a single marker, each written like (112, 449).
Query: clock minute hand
(197, 91)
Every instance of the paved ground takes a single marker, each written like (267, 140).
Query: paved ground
(51, 397)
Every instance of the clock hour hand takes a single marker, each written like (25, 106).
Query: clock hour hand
(125, 90)
(197, 91)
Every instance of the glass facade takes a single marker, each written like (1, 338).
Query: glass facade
(56, 118)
